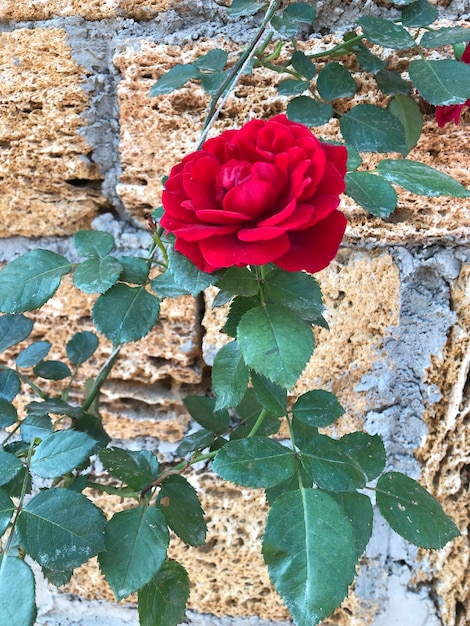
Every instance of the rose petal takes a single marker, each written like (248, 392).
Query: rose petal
(192, 252)
(228, 250)
(221, 217)
(195, 232)
(252, 198)
(261, 234)
(314, 248)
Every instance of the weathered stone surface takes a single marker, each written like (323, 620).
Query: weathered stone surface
(48, 182)
(445, 458)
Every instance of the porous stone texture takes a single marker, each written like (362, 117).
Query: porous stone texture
(82, 143)
(48, 182)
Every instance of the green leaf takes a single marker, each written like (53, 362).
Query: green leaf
(92, 425)
(61, 452)
(61, 529)
(385, 33)
(241, 8)
(136, 541)
(367, 451)
(300, 12)
(134, 313)
(166, 286)
(407, 111)
(17, 591)
(358, 509)
(371, 192)
(8, 413)
(53, 405)
(7, 508)
(10, 466)
(297, 291)
(93, 244)
(420, 178)
(81, 347)
(368, 61)
(175, 78)
(198, 440)
(272, 397)
(292, 87)
(229, 376)
(189, 276)
(265, 338)
(255, 462)
(202, 409)
(391, 83)
(134, 270)
(212, 82)
(162, 601)
(182, 510)
(419, 13)
(303, 65)
(52, 370)
(212, 61)
(354, 159)
(303, 434)
(137, 469)
(13, 329)
(97, 275)
(239, 281)
(9, 384)
(309, 548)
(239, 306)
(412, 512)
(318, 408)
(330, 466)
(34, 353)
(57, 577)
(29, 281)
(370, 128)
(249, 410)
(35, 427)
(308, 111)
(334, 81)
(298, 480)
(441, 82)
(444, 36)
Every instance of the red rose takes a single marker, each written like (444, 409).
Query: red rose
(452, 112)
(266, 193)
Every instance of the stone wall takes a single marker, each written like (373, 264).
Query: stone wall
(83, 145)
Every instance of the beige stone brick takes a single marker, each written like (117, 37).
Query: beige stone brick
(157, 132)
(444, 457)
(88, 9)
(48, 184)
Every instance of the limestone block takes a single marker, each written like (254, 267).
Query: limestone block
(88, 9)
(445, 458)
(157, 132)
(48, 182)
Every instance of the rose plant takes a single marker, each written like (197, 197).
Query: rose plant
(253, 212)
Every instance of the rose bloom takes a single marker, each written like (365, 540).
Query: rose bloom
(451, 112)
(266, 193)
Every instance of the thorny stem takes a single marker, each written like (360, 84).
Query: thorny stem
(21, 500)
(101, 378)
(225, 88)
